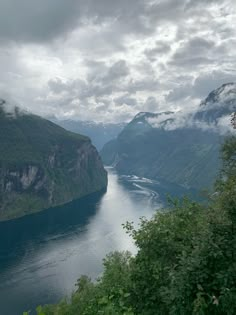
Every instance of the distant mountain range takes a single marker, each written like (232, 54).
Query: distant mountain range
(99, 133)
(175, 147)
(43, 165)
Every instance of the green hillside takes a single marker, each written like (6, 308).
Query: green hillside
(29, 138)
(42, 165)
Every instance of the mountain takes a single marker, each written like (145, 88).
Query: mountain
(218, 105)
(43, 165)
(99, 133)
(172, 147)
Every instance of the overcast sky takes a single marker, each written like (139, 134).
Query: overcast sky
(106, 60)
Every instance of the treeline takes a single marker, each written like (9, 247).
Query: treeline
(185, 264)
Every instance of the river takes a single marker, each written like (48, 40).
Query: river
(42, 255)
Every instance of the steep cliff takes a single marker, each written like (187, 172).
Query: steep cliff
(42, 165)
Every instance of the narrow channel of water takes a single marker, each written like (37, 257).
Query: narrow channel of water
(42, 255)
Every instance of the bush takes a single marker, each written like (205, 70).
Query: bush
(185, 264)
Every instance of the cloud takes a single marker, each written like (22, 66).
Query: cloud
(46, 20)
(195, 52)
(198, 88)
(107, 60)
(72, 87)
(35, 21)
(151, 104)
(111, 74)
(160, 48)
(214, 113)
(211, 80)
(101, 81)
(170, 121)
(125, 99)
(181, 92)
(11, 108)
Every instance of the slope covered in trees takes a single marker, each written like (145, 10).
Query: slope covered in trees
(42, 165)
(185, 263)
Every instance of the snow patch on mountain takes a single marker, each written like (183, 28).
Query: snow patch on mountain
(160, 120)
(141, 115)
(224, 96)
(214, 114)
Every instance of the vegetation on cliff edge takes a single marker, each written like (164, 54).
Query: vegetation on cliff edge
(42, 165)
(185, 264)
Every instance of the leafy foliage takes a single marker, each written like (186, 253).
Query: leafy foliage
(185, 264)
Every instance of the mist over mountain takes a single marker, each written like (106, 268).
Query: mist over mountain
(216, 109)
(180, 148)
(99, 133)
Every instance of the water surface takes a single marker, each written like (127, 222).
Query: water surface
(42, 255)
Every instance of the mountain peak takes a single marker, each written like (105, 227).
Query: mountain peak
(218, 106)
(153, 120)
(142, 115)
(225, 94)
(146, 115)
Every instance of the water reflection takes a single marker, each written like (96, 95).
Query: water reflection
(41, 256)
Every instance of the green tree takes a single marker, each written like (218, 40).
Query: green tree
(185, 264)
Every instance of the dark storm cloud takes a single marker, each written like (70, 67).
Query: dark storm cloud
(28, 20)
(194, 52)
(34, 21)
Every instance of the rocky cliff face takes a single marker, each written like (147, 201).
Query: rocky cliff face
(42, 165)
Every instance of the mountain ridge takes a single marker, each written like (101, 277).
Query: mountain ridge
(181, 149)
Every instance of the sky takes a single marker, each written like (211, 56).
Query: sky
(107, 60)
